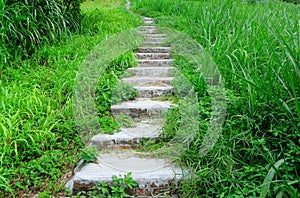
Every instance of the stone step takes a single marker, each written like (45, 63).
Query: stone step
(154, 91)
(153, 55)
(148, 22)
(142, 107)
(147, 27)
(156, 35)
(149, 31)
(154, 176)
(154, 50)
(148, 80)
(155, 63)
(147, 19)
(154, 39)
(155, 43)
(128, 138)
(152, 71)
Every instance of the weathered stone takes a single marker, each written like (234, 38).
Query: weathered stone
(152, 71)
(128, 136)
(148, 80)
(152, 175)
(155, 63)
(154, 49)
(142, 107)
(153, 91)
(149, 56)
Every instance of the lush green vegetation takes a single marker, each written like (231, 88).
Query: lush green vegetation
(39, 143)
(256, 47)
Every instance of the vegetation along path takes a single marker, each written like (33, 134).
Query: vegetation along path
(117, 156)
(51, 51)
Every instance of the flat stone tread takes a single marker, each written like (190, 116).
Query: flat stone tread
(156, 60)
(151, 68)
(145, 171)
(146, 39)
(156, 35)
(147, 19)
(151, 49)
(154, 53)
(153, 56)
(154, 42)
(143, 103)
(152, 71)
(148, 26)
(150, 80)
(141, 130)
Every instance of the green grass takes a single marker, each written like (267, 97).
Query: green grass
(39, 140)
(256, 48)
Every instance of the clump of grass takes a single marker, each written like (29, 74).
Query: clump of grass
(28, 25)
(256, 47)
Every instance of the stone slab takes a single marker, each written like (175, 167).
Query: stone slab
(155, 43)
(153, 91)
(152, 175)
(152, 71)
(128, 137)
(155, 63)
(149, 56)
(148, 80)
(142, 107)
(154, 49)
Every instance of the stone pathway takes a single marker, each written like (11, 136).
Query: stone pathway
(117, 155)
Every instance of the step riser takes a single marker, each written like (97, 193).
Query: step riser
(140, 113)
(152, 63)
(154, 50)
(163, 72)
(154, 93)
(148, 22)
(115, 144)
(149, 56)
(148, 81)
(156, 35)
(152, 39)
(149, 27)
(155, 43)
(147, 191)
(149, 31)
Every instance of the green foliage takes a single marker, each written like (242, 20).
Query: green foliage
(110, 91)
(256, 47)
(116, 189)
(88, 154)
(38, 137)
(29, 24)
(123, 92)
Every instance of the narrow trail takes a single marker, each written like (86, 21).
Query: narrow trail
(117, 153)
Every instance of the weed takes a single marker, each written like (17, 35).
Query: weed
(116, 189)
(88, 154)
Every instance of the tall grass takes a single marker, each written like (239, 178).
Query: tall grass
(256, 47)
(38, 137)
(26, 25)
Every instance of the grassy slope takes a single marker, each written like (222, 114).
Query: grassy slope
(256, 47)
(39, 141)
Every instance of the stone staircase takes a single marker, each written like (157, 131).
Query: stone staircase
(117, 155)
